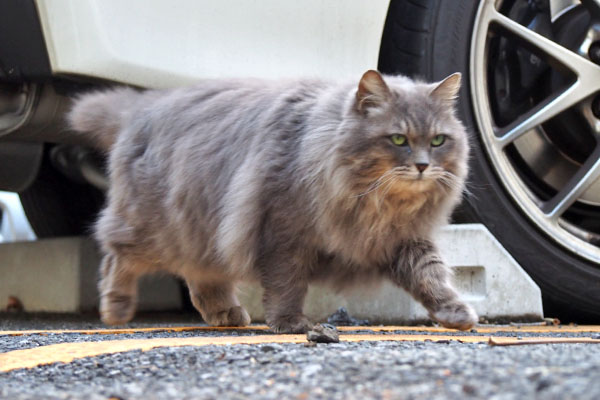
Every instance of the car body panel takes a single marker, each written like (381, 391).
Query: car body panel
(159, 43)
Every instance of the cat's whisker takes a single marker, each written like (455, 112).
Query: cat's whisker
(444, 185)
(467, 190)
(384, 178)
(450, 181)
(380, 197)
(389, 186)
(372, 188)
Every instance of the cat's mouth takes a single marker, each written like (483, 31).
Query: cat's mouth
(419, 180)
(429, 181)
(411, 174)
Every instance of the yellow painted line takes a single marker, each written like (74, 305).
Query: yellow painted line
(479, 329)
(510, 341)
(67, 352)
(482, 328)
(116, 331)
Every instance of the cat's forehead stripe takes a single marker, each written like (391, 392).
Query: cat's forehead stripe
(415, 124)
(402, 126)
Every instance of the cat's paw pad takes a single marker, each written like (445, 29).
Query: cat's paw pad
(234, 316)
(117, 309)
(291, 324)
(455, 315)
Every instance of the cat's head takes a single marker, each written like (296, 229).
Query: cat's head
(404, 135)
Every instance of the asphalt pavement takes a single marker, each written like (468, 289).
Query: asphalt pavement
(368, 363)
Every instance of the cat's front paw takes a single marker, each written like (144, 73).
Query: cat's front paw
(455, 315)
(234, 316)
(290, 324)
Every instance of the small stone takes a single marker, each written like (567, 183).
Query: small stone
(311, 369)
(469, 389)
(552, 321)
(14, 305)
(543, 384)
(323, 334)
(342, 318)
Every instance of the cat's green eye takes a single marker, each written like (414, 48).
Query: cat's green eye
(399, 140)
(438, 140)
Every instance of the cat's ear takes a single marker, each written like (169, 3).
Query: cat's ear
(372, 92)
(447, 90)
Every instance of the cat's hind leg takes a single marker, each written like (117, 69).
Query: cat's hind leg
(118, 289)
(420, 270)
(217, 302)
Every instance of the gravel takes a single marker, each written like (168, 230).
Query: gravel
(378, 370)
(9, 342)
(365, 370)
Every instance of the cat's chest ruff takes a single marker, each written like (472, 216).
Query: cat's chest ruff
(393, 212)
(369, 234)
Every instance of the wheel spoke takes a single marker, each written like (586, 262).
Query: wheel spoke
(541, 113)
(587, 74)
(540, 44)
(575, 187)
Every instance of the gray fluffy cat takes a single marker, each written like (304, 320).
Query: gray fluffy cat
(286, 182)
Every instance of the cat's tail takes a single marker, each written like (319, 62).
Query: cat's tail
(101, 114)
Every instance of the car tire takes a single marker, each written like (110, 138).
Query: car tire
(431, 39)
(56, 205)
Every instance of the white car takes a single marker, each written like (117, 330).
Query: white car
(530, 97)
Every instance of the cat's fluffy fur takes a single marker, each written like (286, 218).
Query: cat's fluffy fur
(287, 182)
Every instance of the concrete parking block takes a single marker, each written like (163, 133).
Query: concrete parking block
(60, 275)
(485, 274)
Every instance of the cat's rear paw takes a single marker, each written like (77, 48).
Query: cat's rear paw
(117, 309)
(290, 324)
(455, 315)
(234, 316)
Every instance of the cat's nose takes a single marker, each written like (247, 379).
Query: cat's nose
(421, 166)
